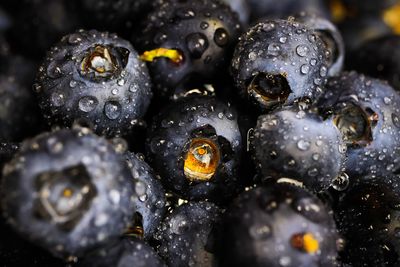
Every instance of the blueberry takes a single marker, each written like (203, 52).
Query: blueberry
(95, 77)
(187, 43)
(367, 112)
(150, 202)
(68, 191)
(186, 235)
(278, 62)
(367, 217)
(123, 253)
(278, 225)
(195, 145)
(299, 145)
(19, 114)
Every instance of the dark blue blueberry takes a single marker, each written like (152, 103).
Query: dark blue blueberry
(95, 77)
(202, 33)
(367, 112)
(195, 145)
(279, 62)
(68, 191)
(299, 145)
(278, 225)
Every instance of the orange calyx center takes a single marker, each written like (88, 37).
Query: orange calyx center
(172, 54)
(201, 160)
(305, 242)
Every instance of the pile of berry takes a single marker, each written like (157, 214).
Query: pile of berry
(202, 133)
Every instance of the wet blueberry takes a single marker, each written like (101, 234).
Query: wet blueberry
(95, 77)
(278, 62)
(68, 191)
(366, 111)
(299, 145)
(278, 225)
(187, 43)
(195, 145)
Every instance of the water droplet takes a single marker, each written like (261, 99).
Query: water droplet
(72, 83)
(185, 13)
(252, 56)
(284, 261)
(114, 91)
(203, 25)
(197, 44)
(273, 49)
(140, 188)
(304, 69)
(396, 120)
(323, 71)
(114, 196)
(112, 109)
(74, 38)
(316, 156)
(341, 182)
(312, 172)
(178, 224)
(87, 103)
(302, 50)
(268, 27)
(387, 100)
(260, 232)
(303, 145)
(221, 37)
(57, 99)
(283, 39)
(312, 38)
(121, 82)
(313, 62)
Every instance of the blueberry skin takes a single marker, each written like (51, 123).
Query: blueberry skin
(299, 145)
(381, 156)
(204, 31)
(111, 105)
(186, 235)
(174, 128)
(150, 202)
(19, 114)
(259, 224)
(105, 211)
(281, 47)
(367, 218)
(122, 253)
(378, 58)
(330, 35)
